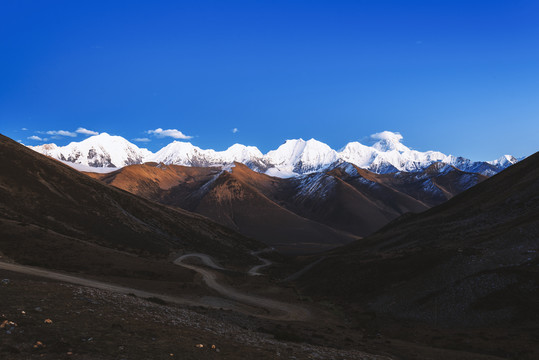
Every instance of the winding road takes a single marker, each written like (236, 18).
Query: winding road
(30, 270)
(273, 309)
(255, 270)
(206, 260)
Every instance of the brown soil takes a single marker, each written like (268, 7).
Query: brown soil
(89, 323)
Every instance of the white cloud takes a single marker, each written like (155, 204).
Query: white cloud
(235, 130)
(24, 129)
(173, 133)
(86, 131)
(34, 137)
(141, 139)
(387, 135)
(61, 133)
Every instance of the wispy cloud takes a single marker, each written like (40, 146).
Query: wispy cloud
(84, 131)
(141, 139)
(235, 130)
(34, 137)
(24, 129)
(61, 133)
(173, 133)
(387, 135)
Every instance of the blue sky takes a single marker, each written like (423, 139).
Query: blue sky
(461, 77)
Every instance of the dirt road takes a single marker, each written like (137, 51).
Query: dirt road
(276, 309)
(206, 260)
(255, 270)
(273, 309)
(30, 270)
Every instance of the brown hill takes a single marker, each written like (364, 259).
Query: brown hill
(304, 214)
(237, 200)
(471, 261)
(54, 216)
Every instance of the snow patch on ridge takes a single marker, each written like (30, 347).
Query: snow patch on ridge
(84, 168)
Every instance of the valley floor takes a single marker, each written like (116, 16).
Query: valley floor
(114, 323)
(89, 323)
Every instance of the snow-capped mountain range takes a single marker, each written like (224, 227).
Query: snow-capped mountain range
(294, 157)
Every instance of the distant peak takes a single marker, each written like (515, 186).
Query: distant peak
(237, 146)
(102, 135)
(314, 142)
(355, 146)
(504, 160)
(291, 158)
(243, 149)
(180, 143)
(294, 141)
(510, 158)
(49, 146)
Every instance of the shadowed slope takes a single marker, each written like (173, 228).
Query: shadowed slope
(359, 201)
(470, 261)
(235, 203)
(42, 200)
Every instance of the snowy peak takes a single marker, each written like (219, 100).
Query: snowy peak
(47, 147)
(299, 156)
(289, 152)
(504, 161)
(358, 154)
(241, 153)
(317, 153)
(101, 150)
(294, 157)
(177, 152)
(184, 153)
(388, 155)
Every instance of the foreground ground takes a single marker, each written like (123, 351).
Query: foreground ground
(89, 323)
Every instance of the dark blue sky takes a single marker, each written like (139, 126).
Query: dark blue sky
(461, 77)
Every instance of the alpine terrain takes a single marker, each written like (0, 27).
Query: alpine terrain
(248, 255)
(294, 157)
